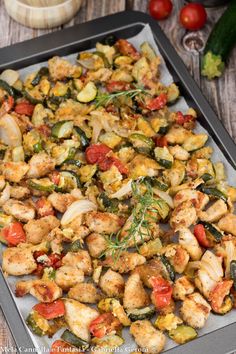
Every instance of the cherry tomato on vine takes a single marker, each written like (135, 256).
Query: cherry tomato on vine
(160, 9)
(193, 16)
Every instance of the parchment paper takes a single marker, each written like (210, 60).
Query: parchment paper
(214, 322)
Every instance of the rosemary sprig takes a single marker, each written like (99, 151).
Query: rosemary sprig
(140, 221)
(106, 98)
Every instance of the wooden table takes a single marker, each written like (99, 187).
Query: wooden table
(221, 93)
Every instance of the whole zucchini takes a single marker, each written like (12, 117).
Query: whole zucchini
(220, 42)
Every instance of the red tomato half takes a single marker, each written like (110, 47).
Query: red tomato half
(24, 107)
(14, 234)
(126, 48)
(193, 16)
(160, 9)
(162, 291)
(200, 234)
(157, 102)
(161, 141)
(51, 310)
(104, 324)
(109, 161)
(116, 86)
(96, 153)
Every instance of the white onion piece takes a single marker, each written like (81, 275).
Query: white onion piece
(165, 196)
(127, 188)
(10, 76)
(212, 265)
(5, 194)
(77, 208)
(10, 133)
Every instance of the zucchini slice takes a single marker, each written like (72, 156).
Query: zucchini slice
(110, 341)
(233, 272)
(183, 334)
(212, 232)
(123, 60)
(43, 184)
(141, 314)
(84, 141)
(72, 339)
(42, 72)
(5, 86)
(37, 324)
(169, 268)
(62, 129)
(141, 143)
(90, 61)
(164, 157)
(88, 93)
(148, 51)
(172, 94)
(213, 192)
(195, 142)
(68, 181)
(225, 307)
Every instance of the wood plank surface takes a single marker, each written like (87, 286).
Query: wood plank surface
(220, 93)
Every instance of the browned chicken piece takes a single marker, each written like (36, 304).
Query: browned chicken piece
(215, 212)
(43, 290)
(198, 198)
(80, 231)
(195, 310)
(228, 224)
(148, 338)
(61, 201)
(183, 216)
(37, 230)
(152, 268)
(135, 296)
(14, 171)
(80, 259)
(40, 165)
(182, 288)
(126, 262)
(20, 210)
(85, 292)
(68, 276)
(19, 192)
(177, 256)
(96, 243)
(112, 284)
(18, 261)
(60, 69)
(102, 222)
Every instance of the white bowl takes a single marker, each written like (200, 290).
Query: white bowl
(42, 16)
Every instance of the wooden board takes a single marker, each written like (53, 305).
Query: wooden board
(220, 93)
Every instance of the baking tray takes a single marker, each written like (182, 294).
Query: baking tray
(83, 37)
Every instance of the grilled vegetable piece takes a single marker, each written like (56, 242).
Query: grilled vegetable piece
(183, 334)
(141, 143)
(144, 313)
(212, 231)
(43, 184)
(213, 192)
(72, 339)
(220, 44)
(169, 268)
(88, 93)
(62, 129)
(37, 323)
(233, 272)
(42, 72)
(68, 180)
(84, 141)
(163, 157)
(110, 341)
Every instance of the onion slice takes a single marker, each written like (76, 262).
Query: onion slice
(10, 133)
(125, 189)
(212, 265)
(165, 196)
(77, 208)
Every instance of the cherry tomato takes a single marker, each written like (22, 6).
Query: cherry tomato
(104, 324)
(193, 16)
(126, 48)
(162, 291)
(14, 234)
(218, 294)
(200, 234)
(96, 153)
(116, 86)
(160, 9)
(61, 347)
(44, 207)
(157, 102)
(51, 310)
(109, 161)
(55, 260)
(24, 107)
(161, 141)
